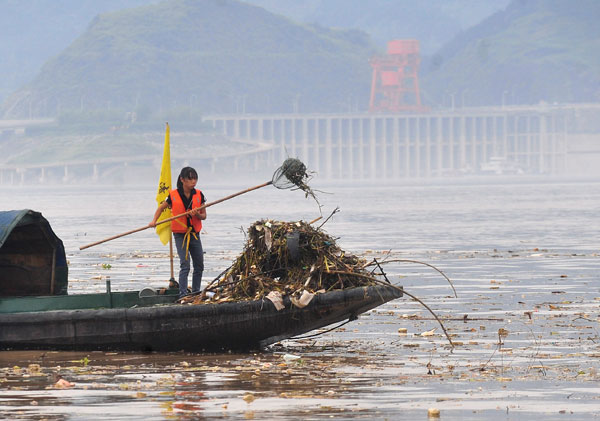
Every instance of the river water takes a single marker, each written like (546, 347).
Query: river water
(522, 254)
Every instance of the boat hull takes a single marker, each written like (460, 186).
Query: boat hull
(197, 328)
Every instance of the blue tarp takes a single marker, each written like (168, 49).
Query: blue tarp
(9, 220)
(32, 236)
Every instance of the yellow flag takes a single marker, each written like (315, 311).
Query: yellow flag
(164, 187)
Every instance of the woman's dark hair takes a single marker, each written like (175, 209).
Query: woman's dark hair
(186, 172)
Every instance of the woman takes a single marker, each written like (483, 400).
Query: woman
(186, 229)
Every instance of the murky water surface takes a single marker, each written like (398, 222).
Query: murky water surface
(523, 257)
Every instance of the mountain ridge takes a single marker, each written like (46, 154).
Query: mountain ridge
(534, 51)
(140, 57)
(185, 58)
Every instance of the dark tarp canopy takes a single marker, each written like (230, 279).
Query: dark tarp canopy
(32, 257)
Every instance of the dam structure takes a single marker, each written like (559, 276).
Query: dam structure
(558, 140)
(374, 146)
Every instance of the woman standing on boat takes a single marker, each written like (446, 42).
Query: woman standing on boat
(186, 229)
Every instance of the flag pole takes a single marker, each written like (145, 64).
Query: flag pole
(172, 280)
(164, 187)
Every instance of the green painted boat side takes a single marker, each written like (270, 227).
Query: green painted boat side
(107, 299)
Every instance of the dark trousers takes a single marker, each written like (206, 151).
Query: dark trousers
(196, 255)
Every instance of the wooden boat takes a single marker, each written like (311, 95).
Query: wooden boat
(151, 320)
(152, 324)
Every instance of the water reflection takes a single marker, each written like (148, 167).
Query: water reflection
(181, 385)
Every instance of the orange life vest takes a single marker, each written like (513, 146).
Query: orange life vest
(181, 224)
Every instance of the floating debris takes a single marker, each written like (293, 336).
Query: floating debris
(433, 413)
(288, 259)
(62, 383)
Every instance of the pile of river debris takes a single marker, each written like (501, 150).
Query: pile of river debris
(286, 258)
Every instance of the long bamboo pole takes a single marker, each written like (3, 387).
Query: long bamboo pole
(206, 205)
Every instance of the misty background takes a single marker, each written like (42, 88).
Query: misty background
(87, 81)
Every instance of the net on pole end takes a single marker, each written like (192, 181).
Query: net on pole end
(293, 174)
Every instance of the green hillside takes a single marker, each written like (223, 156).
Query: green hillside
(202, 55)
(533, 51)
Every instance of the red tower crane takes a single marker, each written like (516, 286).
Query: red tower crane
(395, 82)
